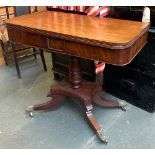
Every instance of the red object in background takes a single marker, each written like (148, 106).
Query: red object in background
(99, 11)
(100, 66)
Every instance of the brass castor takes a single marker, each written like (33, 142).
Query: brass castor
(102, 137)
(30, 111)
(122, 105)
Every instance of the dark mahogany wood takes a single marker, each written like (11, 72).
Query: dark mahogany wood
(110, 40)
(54, 102)
(75, 72)
(86, 37)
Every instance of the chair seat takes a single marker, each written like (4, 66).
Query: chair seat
(21, 46)
(22, 52)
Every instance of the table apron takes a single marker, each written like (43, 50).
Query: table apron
(83, 50)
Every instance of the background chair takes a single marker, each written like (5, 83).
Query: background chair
(15, 51)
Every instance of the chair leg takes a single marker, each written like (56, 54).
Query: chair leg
(15, 60)
(43, 59)
(34, 51)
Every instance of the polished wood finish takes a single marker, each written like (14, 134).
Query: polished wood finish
(110, 40)
(83, 50)
(60, 62)
(91, 29)
(82, 36)
(75, 72)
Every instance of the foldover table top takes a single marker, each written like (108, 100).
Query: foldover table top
(106, 32)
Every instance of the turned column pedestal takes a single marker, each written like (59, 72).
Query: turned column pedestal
(86, 92)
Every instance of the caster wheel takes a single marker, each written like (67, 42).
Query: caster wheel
(122, 105)
(31, 114)
(123, 108)
(102, 137)
(104, 140)
(29, 111)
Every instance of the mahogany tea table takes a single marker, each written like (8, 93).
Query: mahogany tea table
(112, 41)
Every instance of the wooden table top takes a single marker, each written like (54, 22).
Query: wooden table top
(107, 32)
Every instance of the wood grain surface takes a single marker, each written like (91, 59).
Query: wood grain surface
(107, 32)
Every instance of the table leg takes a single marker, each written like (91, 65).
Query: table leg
(49, 105)
(99, 100)
(86, 92)
(93, 122)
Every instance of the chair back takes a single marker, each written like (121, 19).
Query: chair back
(21, 10)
